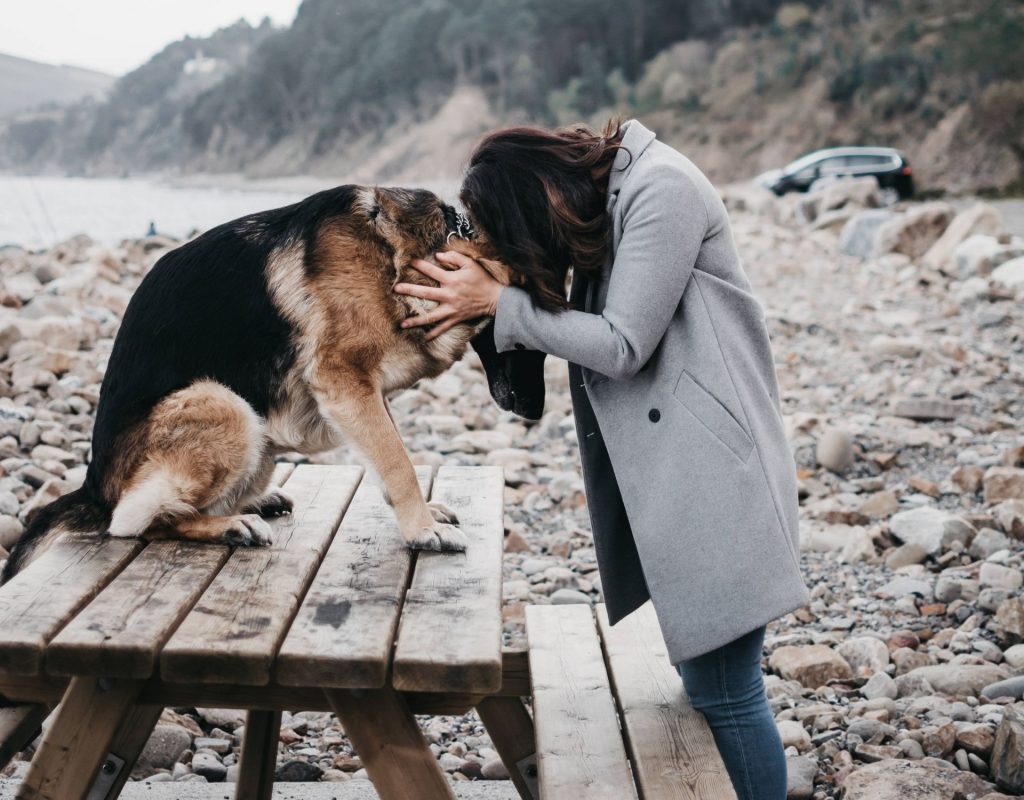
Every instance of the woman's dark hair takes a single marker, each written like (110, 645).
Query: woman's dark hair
(539, 197)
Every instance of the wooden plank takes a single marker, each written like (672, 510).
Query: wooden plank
(121, 632)
(511, 730)
(579, 744)
(77, 742)
(450, 635)
(282, 471)
(259, 756)
(344, 632)
(40, 599)
(18, 727)
(387, 739)
(233, 633)
(670, 745)
(515, 673)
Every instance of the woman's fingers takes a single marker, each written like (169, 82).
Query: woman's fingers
(436, 315)
(435, 293)
(430, 270)
(456, 258)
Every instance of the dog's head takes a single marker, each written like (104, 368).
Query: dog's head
(414, 223)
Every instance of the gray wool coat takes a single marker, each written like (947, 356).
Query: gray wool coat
(690, 481)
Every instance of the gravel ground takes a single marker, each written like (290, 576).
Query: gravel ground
(901, 379)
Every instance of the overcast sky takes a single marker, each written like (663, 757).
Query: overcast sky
(116, 36)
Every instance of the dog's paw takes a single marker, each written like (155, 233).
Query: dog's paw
(441, 513)
(248, 530)
(438, 537)
(275, 503)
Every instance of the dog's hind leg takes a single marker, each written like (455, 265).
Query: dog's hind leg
(359, 410)
(204, 454)
(267, 502)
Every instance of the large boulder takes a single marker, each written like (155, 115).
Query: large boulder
(981, 218)
(960, 680)
(915, 231)
(858, 235)
(897, 779)
(1011, 274)
(813, 665)
(1007, 761)
(929, 527)
(978, 255)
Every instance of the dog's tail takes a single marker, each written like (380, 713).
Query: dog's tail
(78, 511)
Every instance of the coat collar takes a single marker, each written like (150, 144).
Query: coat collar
(635, 140)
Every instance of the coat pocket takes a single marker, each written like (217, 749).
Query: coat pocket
(713, 415)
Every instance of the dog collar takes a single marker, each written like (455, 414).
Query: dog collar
(463, 228)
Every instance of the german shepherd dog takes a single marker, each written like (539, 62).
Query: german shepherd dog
(278, 332)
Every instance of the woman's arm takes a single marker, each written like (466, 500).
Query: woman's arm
(664, 226)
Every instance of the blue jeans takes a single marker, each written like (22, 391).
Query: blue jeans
(727, 686)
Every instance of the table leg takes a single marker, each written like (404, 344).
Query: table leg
(124, 751)
(511, 730)
(259, 755)
(390, 744)
(77, 743)
(18, 727)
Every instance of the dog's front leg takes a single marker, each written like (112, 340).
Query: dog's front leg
(362, 415)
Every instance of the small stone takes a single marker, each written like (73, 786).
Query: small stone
(905, 555)
(564, 597)
(494, 770)
(800, 774)
(298, 771)
(975, 737)
(1009, 619)
(793, 734)
(866, 655)
(165, 746)
(1011, 687)
(947, 589)
(812, 665)
(880, 685)
(1000, 577)
(987, 542)
(209, 766)
(929, 527)
(1003, 483)
(960, 679)
(835, 450)
(226, 718)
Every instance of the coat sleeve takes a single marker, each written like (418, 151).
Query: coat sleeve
(664, 224)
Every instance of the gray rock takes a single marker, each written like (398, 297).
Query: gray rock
(10, 531)
(226, 718)
(1011, 687)
(947, 589)
(962, 680)
(880, 685)
(298, 771)
(929, 527)
(1000, 577)
(866, 655)
(564, 597)
(988, 541)
(903, 586)
(494, 770)
(835, 450)
(800, 774)
(1007, 761)
(857, 238)
(905, 555)
(165, 746)
(897, 779)
(208, 765)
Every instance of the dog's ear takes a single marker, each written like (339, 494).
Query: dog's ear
(498, 271)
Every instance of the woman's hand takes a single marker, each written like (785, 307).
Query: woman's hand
(466, 292)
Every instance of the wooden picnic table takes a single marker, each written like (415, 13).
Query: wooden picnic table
(335, 614)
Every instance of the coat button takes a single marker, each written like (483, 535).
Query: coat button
(654, 415)
(520, 346)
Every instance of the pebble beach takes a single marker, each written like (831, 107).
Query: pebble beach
(898, 336)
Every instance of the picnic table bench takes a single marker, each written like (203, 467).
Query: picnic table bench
(337, 615)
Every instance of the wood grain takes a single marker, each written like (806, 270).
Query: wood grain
(510, 727)
(449, 638)
(580, 749)
(233, 633)
(40, 599)
(670, 745)
(78, 740)
(128, 744)
(120, 633)
(344, 633)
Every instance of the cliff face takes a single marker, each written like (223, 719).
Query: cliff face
(398, 89)
(25, 84)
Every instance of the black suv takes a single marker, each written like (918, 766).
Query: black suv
(889, 167)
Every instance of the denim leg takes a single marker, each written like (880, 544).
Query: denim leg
(728, 687)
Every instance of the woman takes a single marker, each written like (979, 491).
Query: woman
(689, 479)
